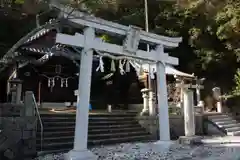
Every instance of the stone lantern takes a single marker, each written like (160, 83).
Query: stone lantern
(15, 90)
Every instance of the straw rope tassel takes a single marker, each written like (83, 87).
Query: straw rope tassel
(127, 66)
(121, 67)
(113, 68)
(141, 71)
(151, 73)
(101, 65)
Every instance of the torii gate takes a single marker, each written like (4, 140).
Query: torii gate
(89, 42)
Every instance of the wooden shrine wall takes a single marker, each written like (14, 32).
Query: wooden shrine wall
(118, 92)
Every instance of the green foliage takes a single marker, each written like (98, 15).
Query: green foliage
(105, 38)
(19, 1)
(210, 30)
(236, 90)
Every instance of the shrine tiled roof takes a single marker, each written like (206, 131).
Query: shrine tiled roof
(38, 35)
(28, 42)
(42, 50)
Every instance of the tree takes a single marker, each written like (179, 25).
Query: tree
(210, 30)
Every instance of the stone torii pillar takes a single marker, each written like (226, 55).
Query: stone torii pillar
(80, 151)
(163, 108)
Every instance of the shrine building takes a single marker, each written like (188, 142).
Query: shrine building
(51, 71)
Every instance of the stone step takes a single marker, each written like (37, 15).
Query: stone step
(91, 136)
(65, 145)
(219, 116)
(54, 146)
(71, 115)
(93, 115)
(116, 130)
(233, 129)
(42, 153)
(113, 122)
(116, 135)
(90, 127)
(66, 123)
(59, 139)
(235, 133)
(226, 122)
(55, 124)
(139, 138)
(222, 119)
(91, 119)
(91, 131)
(230, 125)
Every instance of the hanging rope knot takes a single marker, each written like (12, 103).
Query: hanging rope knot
(101, 64)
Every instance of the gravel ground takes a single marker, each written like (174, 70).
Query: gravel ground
(152, 151)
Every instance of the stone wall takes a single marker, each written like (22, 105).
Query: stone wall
(150, 123)
(18, 129)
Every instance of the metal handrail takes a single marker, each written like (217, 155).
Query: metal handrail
(39, 118)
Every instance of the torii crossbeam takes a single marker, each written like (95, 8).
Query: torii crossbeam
(89, 42)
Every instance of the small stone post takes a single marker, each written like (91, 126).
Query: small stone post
(189, 119)
(217, 96)
(201, 107)
(145, 96)
(219, 107)
(199, 86)
(109, 108)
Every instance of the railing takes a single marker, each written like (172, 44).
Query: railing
(39, 118)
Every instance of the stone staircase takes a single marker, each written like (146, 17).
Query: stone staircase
(228, 124)
(105, 128)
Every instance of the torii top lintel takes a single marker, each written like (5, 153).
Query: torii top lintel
(99, 24)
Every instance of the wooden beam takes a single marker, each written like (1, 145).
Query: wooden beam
(78, 40)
